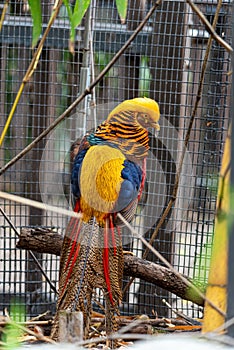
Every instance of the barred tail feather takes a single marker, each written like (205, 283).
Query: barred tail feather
(113, 263)
(92, 257)
(113, 272)
(106, 268)
(80, 266)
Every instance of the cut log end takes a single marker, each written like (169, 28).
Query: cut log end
(70, 326)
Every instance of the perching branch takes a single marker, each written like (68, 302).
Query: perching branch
(190, 285)
(45, 241)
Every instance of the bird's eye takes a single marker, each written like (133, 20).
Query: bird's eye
(143, 120)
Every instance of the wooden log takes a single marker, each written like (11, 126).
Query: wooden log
(41, 240)
(161, 277)
(46, 241)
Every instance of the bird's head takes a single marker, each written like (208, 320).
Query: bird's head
(146, 109)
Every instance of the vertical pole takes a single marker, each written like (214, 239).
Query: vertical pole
(3, 69)
(39, 120)
(85, 69)
(167, 59)
(230, 297)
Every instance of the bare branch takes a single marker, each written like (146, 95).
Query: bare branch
(188, 283)
(44, 241)
(209, 27)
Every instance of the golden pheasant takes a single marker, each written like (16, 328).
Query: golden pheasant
(107, 178)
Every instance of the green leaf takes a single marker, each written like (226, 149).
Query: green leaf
(145, 77)
(69, 9)
(12, 333)
(122, 9)
(80, 8)
(35, 8)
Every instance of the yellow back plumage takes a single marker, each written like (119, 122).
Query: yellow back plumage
(100, 181)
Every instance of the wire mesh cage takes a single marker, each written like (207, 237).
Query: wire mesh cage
(164, 62)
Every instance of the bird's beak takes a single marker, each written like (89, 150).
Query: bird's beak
(155, 125)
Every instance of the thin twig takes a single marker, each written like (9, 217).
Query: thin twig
(3, 344)
(36, 318)
(218, 338)
(29, 331)
(39, 205)
(87, 91)
(31, 68)
(215, 334)
(224, 326)
(4, 11)
(187, 136)
(121, 334)
(189, 320)
(28, 323)
(209, 27)
(178, 274)
(115, 336)
(30, 252)
(131, 325)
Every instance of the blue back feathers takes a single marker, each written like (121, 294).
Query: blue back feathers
(132, 175)
(75, 172)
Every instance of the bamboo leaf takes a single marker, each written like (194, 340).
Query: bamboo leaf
(12, 333)
(35, 8)
(80, 8)
(69, 9)
(145, 77)
(122, 9)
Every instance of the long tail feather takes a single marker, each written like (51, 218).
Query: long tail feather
(112, 262)
(142, 180)
(74, 236)
(113, 235)
(75, 256)
(95, 261)
(71, 235)
(85, 261)
(79, 268)
(106, 261)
